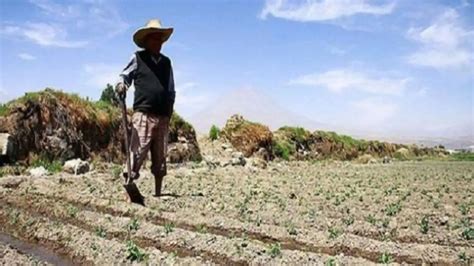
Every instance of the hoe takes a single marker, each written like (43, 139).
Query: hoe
(129, 185)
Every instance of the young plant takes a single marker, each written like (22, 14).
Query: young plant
(334, 232)
(134, 253)
(424, 225)
(468, 233)
(464, 258)
(371, 219)
(348, 221)
(393, 208)
(290, 228)
(133, 225)
(201, 228)
(72, 211)
(330, 262)
(385, 258)
(100, 232)
(464, 209)
(169, 227)
(274, 250)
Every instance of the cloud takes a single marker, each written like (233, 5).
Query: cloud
(43, 34)
(26, 56)
(374, 111)
(444, 44)
(340, 80)
(186, 95)
(57, 21)
(322, 10)
(99, 74)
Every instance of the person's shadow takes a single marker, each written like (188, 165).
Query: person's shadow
(173, 195)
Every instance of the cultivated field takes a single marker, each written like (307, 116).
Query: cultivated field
(289, 213)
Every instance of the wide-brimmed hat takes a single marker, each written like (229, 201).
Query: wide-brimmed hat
(152, 26)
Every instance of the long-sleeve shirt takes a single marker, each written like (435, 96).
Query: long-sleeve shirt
(128, 74)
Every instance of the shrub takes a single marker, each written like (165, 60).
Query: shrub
(214, 132)
(283, 149)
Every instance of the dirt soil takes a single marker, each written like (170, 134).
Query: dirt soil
(293, 213)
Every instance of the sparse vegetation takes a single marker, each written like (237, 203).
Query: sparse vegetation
(53, 166)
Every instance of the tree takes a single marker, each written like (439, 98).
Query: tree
(108, 95)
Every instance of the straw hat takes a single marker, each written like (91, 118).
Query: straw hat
(151, 26)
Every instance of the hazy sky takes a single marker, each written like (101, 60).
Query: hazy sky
(395, 64)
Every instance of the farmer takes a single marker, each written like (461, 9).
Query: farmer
(152, 75)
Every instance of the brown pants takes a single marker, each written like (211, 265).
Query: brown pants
(150, 132)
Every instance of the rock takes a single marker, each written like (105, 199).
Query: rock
(210, 162)
(76, 166)
(180, 152)
(38, 171)
(6, 147)
(372, 161)
(444, 220)
(226, 146)
(257, 162)
(182, 142)
(238, 159)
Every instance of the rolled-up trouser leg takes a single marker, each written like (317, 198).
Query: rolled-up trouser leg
(158, 148)
(140, 140)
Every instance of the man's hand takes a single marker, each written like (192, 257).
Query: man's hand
(121, 90)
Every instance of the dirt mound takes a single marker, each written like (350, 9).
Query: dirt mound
(54, 125)
(298, 143)
(248, 137)
(183, 143)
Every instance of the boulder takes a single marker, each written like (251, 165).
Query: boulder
(76, 166)
(38, 171)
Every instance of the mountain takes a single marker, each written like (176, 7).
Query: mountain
(253, 105)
